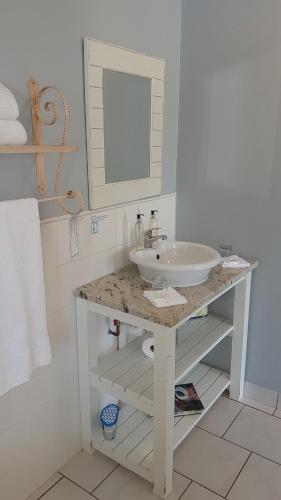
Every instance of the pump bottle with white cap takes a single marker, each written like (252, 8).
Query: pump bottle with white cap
(139, 228)
(153, 225)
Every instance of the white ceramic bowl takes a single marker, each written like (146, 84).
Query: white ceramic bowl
(180, 263)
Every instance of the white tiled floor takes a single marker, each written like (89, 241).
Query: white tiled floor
(197, 492)
(124, 485)
(259, 480)
(210, 460)
(220, 416)
(235, 454)
(88, 471)
(46, 487)
(257, 432)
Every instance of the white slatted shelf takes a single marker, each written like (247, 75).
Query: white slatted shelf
(133, 444)
(128, 374)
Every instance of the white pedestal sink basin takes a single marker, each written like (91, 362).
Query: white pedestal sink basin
(179, 263)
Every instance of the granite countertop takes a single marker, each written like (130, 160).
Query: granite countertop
(123, 291)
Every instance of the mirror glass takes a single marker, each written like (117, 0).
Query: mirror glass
(127, 123)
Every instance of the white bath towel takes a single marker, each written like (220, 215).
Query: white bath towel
(12, 133)
(24, 341)
(9, 109)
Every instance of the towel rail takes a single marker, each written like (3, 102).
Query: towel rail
(69, 195)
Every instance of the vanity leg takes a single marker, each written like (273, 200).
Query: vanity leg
(163, 425)
(239, 337)
(83, 363)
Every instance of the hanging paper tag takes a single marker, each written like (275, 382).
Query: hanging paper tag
(74, 243)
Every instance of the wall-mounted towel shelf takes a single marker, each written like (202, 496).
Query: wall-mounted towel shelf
(50, 110)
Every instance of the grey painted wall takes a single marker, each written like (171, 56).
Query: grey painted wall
(229, 156)
(44, 40)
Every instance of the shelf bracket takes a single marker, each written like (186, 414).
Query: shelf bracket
(37, 134)
(46, 113)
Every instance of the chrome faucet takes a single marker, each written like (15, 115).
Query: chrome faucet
(149, 239)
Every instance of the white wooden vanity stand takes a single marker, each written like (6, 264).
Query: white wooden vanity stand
(143, 444)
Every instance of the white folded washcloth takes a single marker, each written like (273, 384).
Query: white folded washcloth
(9, 109)
(12, 133)
(233, 262)
(164, 298)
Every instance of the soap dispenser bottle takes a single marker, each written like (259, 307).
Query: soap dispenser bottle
(153, 226)
(139, 228)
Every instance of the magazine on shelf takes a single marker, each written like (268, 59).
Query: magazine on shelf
(187, 401)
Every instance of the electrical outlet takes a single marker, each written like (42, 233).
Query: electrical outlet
(96, 223)
(95, 226)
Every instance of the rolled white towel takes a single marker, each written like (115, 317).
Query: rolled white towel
(9, 109)
(12, 133)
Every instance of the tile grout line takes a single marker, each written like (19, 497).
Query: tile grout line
(115, 468)
(208, 432)
(213, 434)
(252, 451)
(254, 408)
(236, 416)
(239, 446)
(239, 473)
(185, 490)
(51, 487)
(207, 488)
(84, 489)
(262, 411)
(196, 482)
(271, 412)
(76, 484)
(258, 409)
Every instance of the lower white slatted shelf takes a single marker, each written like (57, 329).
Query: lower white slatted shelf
(133, 444)
(128, 373)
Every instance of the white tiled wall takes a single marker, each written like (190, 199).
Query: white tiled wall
(40, 420)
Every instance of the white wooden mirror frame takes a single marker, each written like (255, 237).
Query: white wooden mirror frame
(100, 56)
